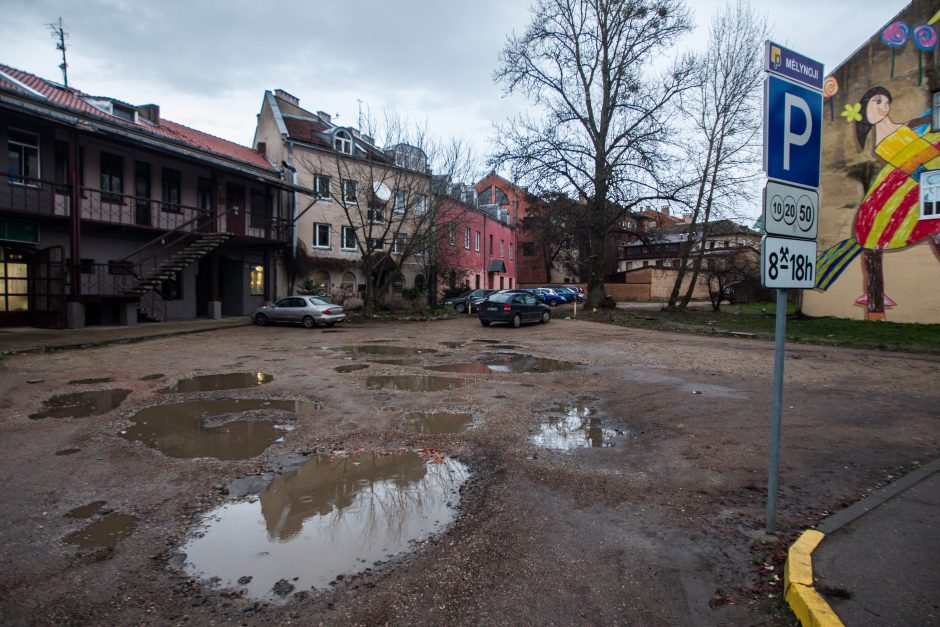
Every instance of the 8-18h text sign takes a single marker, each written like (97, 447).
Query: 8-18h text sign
(787, 263)
(792, 132)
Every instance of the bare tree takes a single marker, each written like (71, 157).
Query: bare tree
(605, 122)
(737, 268)
(550, 224)
(386, 196)
(725, 113)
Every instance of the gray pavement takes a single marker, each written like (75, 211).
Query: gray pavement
(878, 564)
(31, 340)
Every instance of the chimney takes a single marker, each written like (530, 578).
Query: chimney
(149, 112)
(263, 149)
(283, 95)
(323, 115)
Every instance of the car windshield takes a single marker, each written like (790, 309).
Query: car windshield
(502, 297)
(316, 301)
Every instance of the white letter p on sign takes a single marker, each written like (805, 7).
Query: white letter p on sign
(791, 139)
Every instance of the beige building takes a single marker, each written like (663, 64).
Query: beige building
(368, 214)
(879, 224)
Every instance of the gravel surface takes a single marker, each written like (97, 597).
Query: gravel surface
(656, 529)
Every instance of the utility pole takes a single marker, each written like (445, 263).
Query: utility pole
(58, 32)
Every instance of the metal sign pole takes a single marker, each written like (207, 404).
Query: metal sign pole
(776, 410)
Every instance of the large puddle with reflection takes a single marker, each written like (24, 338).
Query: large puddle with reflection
(372, 350)
(330, 517)
(436, 423)
(507, 362)
(185, 429)
(414, 383)
(572, 426)
(212, 382)
(81, 404)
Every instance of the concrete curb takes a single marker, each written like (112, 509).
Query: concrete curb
(808, 605)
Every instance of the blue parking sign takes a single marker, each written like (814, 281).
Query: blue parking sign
(792, 132)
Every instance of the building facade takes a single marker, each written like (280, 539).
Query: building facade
(879, 221)
(110, 214)
(479, 248)
(367, 209)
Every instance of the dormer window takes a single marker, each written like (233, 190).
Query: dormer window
(342, 142)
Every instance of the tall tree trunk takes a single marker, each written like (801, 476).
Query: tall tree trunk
(875, 282)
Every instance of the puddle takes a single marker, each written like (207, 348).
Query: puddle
(505, 347)
(103, 533)
(488, 341)
(573, 426)
(212, 382)
(509, 362)
(452, 344)
(91, 381)
(414, 383)
(85, 511)
(68, 451)
(381, 349)
(81, 404)
(351, 368)
(325, 520)
(436, 423)
(182, 429)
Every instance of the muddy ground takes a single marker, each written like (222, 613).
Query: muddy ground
(655, 529)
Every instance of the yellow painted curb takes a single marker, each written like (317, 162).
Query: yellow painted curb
(808, 605)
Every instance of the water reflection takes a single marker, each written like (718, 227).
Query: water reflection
(106, 532)
(506, 362)
(573, 426)
(330, 516)
(212, 382)
(436, 423)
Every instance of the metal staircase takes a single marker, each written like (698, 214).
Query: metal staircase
(160, 270)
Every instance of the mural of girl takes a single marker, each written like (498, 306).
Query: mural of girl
(889, 216)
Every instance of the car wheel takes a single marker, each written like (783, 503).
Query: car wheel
(485, 323)
(309, 322)
(545, 317)
(517, 321)
(461, 307)
(261, 320)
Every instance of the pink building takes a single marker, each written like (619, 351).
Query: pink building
(478, 248)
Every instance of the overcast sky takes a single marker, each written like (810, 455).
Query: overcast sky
(207, 63)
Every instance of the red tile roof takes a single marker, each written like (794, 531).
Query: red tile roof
(73, 99)
(306, 130)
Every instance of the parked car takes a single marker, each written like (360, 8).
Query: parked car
(306, 310)
(549, 296)
(473, 297)
(514, 308)
(565, 295)
(526, 290)
(575, 293)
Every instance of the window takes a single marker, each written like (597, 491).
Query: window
(23, 149)
(171, 190)
(14, 280)
(321, 278)
(528, 249)
(398, 244)
(476, 280)
(398, 285)
(485, 197)
(112, 178)
(930, 195)
(256, 281)
(348, 241)
(452, 234)
(321, 186)
(466, 238)
(401, 202)
(420, 282)
(477, 242)
(348, 283)
(420, 204)
(500, 282)
(342, 142)
(501, 198)
(491, 244)
(350, 191)
(502, 249)
(258, 210)
(510, 251)
(510, 282)
(321, 235)
(375, 244)
(376, 215)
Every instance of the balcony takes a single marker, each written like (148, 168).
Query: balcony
(44, 198)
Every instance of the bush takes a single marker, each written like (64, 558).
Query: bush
(411, 294)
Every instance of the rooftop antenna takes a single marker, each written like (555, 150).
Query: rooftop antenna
(359, 123)
(58, 32)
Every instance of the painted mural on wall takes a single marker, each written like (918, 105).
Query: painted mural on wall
(902, 205)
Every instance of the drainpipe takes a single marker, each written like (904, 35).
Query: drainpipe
(486, 275)
(74, 311)
(294, 200)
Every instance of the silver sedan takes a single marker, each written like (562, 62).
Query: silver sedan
(306, 310)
